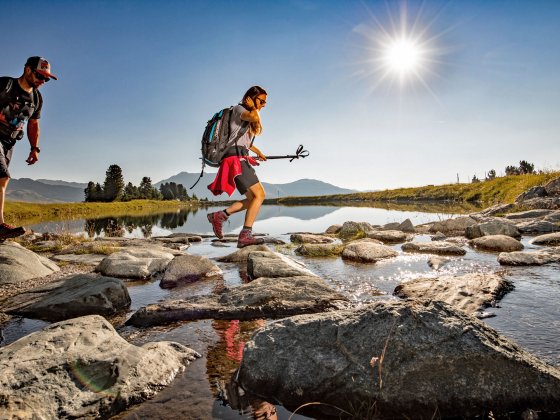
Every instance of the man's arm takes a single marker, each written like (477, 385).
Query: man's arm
(33, 136)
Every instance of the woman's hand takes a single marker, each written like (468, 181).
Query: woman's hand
(260, 156)
(250, 103)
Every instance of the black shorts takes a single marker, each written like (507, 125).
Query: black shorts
(247, 179)
(5, 157)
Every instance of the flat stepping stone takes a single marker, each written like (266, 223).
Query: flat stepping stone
(319, 250)
(18, 264)
(497, 243)
(550, 239)
(135, 263)
(456, 226)
(240, 256)
(188, 269)
(85, 259)
(435, 247)
(529, 214)
(306, 238)
(491, 228)
(271, 264)
(367, 251)
(389, 236)
(541, 257)
(537, 227)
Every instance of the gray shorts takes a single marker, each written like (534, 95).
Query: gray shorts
(5, 157)
(247, 178)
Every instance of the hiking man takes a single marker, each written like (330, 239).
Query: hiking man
(20, 101)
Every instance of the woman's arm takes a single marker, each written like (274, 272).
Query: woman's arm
(252, 115)
(256, 150)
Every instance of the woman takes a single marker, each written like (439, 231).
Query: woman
(237, 166)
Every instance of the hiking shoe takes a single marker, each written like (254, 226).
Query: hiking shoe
(246, 238)
(7, 231)
(217, 219)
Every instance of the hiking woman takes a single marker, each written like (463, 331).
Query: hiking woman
(236, 169)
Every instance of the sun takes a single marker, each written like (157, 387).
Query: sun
(403, 56)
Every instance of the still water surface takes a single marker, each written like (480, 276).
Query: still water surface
(529, 315)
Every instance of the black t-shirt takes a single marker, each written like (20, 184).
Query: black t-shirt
(17, 106)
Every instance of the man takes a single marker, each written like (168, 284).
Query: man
(20, 101)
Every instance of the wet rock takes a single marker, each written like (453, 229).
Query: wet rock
(220, 244)
(497, 243)
(73, 296)
(354, 230)
(437, 262)
(309, 238)
(406, 226)
(388, 236)
(391, 226)
(271, 264)
(367, 251)
(135, 263)
(456, 226)
(469, 293)
(240, 256)
(18, 264)
(400, 360)
(529, 214)
(439, 237)
(437, 247)
(273, 241)
(545, 256)
(81, 368)
(553, 187)
(495, 227)
(333, 229)
(261, 298)
(550, 239)
(193, 237)
(177, 246)
(319, 250)
(174, 240)
(537, 226)
(85, 259)
(533, 192)
(497, 209)
(187, 269)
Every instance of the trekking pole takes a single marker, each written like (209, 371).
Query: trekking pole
(300, 153)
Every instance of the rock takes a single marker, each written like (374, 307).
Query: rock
(537, 226)
(44, 246)
(309, 238)
(406, 226)
(18, 264)
(469, 293)
(497, 209)
(219, 244)
(333, 229)
(187, 269)
(529, 214)
(261, 298)
(85, 259)
(271, 264)
(175, 240)
(497, 243)
(81, 368)
(437, 247)
(73, 296)
(367, 252)
(398, 360)
(553, 217)
(545, 256)
(495, 227)
(177, 246)
(388, 236)
(551, 239)
(455, 226)
(437, 262)
(240, 256)
(533, 192)
(553, 187)
(135, 263)
(354, 230)
(319, 250)
(391, 226)
(552, 203)
(439, 237)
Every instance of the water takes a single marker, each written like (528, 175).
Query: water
(528, 315)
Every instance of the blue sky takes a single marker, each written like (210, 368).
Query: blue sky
(139, 79)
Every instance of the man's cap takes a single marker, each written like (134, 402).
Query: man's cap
(41, 66)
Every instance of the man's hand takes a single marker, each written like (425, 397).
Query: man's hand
(33, 157)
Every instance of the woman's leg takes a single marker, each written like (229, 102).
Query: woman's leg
(255, 195)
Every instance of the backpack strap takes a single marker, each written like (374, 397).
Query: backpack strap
(7, 89)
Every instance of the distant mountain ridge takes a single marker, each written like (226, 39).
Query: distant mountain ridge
(58, 191)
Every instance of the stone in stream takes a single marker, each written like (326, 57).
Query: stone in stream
(388, 236)
(494, 227)
(333, 229)
(240, 256)
(497, 243)
(310, 238)
(435, 247)
(456, 226)
(541, 257)
(72, 296)
(81, 368)
(437, 262)
(18, 264)
(552, 203)
(85, 259)
(261, 298)
(319, 250)
(469, 293)
(135, 262)
(550, 239)
(406, 226)
(537, 227)
(354, 230)
(396, 359)
(529, 214)
(271, 264)
(187, 269)
(367, 251)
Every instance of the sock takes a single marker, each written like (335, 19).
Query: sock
(226, 213)
(247, 227)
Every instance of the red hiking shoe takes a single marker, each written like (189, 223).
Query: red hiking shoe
(246, 238)
(7, 231)
(217, 219)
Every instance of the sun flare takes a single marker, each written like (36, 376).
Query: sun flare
(403, 56)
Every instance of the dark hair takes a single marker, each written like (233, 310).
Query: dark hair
(32, 62)
(252, 93)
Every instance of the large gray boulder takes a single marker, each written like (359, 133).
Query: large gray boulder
(550, 239)
(310, 238)
(553, 217)
(397, 360)
(388, 236)
(496, 209)
(533, 192)
(135, 263)
(469, 293)
(537, 227)
(434, 247)
(271, 264)
(553, 187)
(73, 296)
(354, 230)
(367, 251)
(81, 368)
(261, 298)
(494, 227)
(240, 256)
(497, 243)
(541, 257)
(529, 214)
(406, 226)
(456, 226)
(552, 203)
(18, 264)
(187, 269)
(83, 259)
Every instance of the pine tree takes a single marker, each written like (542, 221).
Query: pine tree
(89, 192)
(130, 192)
(145, 189)
(526, 167)
(113, 187)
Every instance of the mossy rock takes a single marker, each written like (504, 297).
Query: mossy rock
(320, 250)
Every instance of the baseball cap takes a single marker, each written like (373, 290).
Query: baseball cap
(40, 65)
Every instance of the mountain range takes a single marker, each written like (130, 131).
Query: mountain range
(58, 191)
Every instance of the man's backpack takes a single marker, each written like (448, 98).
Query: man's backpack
(216, 139)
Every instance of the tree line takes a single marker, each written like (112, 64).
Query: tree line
(523, 168)
(114, 189)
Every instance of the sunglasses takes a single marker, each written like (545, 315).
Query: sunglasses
(41, 77)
